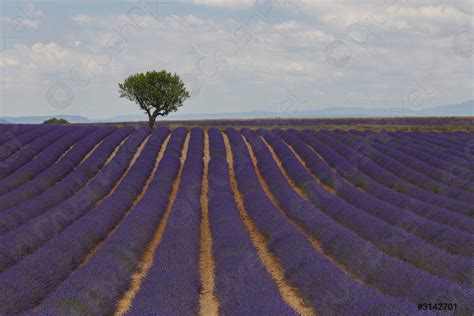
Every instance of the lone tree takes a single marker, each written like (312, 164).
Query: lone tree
(54, 120)
(157, 93)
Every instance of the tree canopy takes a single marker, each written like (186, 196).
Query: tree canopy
(157, 93)
(54, 120)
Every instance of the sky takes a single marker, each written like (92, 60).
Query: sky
(67, 57)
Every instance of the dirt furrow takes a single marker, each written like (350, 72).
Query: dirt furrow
(313, 241)
(137, 199)
(271, 263)
(146, 261)
(132, 162)
(97, 146)
(208, 303)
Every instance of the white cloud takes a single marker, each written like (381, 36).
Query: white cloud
(50, 51)
(74, 43)
(234, 4)
(312, 35)
(24, 16)
(241, 64)
(6, 61)
(28, 9)
(286, 26)
(19, 23)
(82, 19)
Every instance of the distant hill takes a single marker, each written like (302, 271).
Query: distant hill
(204, 116)
(461, 109)
(41, 119)
(4, 122)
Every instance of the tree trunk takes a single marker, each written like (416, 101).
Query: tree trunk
(151, 121)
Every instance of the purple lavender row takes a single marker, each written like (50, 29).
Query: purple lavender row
(343, 167)
(16, 143)
(421, 140)
(19, 142)
(65, 188)
(56, 172)
(389, 239)
(217, 150)
(452, 177)
(448, 151)
(10, 132)
(362, 258)
(442, 158)
(360, 169)
(462, 137)
(464, 144)
(452, 147)
(242, 284)
(43, 160)
(437, 160)
(329, 290)
(28, 152)
(456, 151)
(457, 136)
(96, 287)
(27, 238)
(407, 174)
(7, 132)
(328, 121)
(30, 281)
(453, 240)
(465, 135)
(19, 145)
(172, 284)
(452, 139)
(436, 156)
(416, 163)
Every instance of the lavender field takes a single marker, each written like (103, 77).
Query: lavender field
(394, 123)
(100, 220)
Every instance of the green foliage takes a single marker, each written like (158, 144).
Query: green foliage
(436, 190)
(400, 188)
(54, 120)
(157, 93)
(360, 183)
